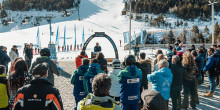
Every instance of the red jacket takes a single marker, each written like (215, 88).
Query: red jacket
(79, 60)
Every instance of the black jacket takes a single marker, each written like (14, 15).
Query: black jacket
(39, 95)
(97, 49)
(145, 66)
(199, 64)
(178, 74)
(28, 54)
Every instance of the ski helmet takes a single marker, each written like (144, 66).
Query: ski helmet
(130, 60)
(45, 52)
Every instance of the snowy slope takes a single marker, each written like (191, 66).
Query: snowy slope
(96, 16)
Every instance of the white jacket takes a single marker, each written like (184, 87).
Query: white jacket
(115, 87)
(13, 55)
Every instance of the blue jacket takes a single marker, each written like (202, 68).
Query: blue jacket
(130, 79)
(93, 70)
(209, 63)
(77, 80)
(4, 58)
(161, 81)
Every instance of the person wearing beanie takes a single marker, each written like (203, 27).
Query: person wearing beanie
(115, 87)
(77, 81)
(44, 58)
(40, 94)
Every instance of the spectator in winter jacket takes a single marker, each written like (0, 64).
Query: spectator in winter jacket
(162, 79)
(77, 81)
(201, 76)
(79, 58)
(97, 48)
(115, 86)
(40, 94)
(204, 54)
(159, 57)
(100, 99)
(153, 100)
(145, 66)
(13, 53)
(94, 69)
(217, 55)
(130, 80)
(189, 65)
(4, 88)
(102, 62)
(199, 63)
(4, 58)
(210, 69)
(44, 58)
(28, 55)
(177, 83)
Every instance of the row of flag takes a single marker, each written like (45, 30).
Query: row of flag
(57, 37)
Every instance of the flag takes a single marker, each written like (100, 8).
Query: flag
(83, 38)
(64, 38)
(75, 37)
(50, 32)
(57, 40)
(37, 38)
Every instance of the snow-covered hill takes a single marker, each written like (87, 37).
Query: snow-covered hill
(96, 16)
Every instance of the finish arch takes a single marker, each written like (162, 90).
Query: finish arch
(101, 34)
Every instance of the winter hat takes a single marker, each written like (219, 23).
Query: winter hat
(116, 63)
(40, 69)
(14, 46)
(45, 52)
(153, 100)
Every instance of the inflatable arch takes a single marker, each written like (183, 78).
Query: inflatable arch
(101, 34)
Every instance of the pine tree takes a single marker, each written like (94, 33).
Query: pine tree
(177, 23)
(201, 38)
(216, 31)
(171, 38)
(195, 29)
(206, 30)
